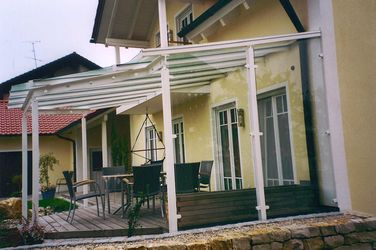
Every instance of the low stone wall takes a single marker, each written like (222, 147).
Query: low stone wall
(355, 234)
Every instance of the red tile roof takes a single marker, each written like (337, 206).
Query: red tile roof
(10, 121)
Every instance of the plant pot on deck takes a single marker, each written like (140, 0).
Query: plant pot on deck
(49, 193)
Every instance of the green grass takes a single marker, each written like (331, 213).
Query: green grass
(57, 204)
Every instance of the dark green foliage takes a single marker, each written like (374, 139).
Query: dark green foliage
(119, 149)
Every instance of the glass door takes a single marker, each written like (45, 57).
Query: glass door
(229, 155)
(275, 143)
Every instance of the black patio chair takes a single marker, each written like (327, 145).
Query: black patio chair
(145, 184)
(74, 197)
(186, 177)
(112, 185)
(204, 174)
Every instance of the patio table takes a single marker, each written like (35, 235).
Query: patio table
(106, 179)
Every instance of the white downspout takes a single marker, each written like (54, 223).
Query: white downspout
(167, 123)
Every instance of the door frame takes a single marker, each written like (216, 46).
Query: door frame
(285, 86)
(217, 153)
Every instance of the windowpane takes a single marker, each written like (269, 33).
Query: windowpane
(285, 146)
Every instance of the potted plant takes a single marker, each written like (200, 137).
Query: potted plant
(47, 162)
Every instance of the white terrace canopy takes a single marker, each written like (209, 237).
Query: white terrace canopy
(155, 76)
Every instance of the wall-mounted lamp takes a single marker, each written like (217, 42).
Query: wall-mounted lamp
(241, 118)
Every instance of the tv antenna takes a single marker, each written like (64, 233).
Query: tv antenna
(34, 53)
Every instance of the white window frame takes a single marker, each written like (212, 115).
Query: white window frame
(265, 91)
(181, 137)
(151, 141)
(217, 146)
(183, 13)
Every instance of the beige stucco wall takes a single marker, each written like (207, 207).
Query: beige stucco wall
(197, 114)
(62, 150)
(355, 26)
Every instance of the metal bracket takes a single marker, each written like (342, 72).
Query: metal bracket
(266, 207)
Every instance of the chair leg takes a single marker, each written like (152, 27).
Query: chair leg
(153, 203)
(70, 209)
(96, 199)
(162, 204)
(147, 202)
(74, 210)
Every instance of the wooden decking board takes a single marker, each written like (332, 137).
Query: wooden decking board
(61, 220)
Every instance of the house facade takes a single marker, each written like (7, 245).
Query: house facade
(255, 86)
(199, 22)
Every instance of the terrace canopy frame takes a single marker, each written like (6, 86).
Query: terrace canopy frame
(154, 72)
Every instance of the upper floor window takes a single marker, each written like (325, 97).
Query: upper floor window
(182, 20)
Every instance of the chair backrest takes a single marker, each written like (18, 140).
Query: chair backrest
(186, 177)
(205, 171)
(114, 184)
(147, 179)
(68, 175)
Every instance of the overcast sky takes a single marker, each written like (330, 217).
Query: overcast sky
(61, 26)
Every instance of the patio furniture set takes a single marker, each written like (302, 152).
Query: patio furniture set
(144, 183)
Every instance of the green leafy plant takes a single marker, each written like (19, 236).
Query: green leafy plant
(47, 162)
(134, 215)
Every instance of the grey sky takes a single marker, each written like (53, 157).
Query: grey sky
(61, 26)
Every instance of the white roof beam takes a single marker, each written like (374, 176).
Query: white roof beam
(127, 43)
(111, 24)
(245, 43)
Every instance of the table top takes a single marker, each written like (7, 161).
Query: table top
(116, 176)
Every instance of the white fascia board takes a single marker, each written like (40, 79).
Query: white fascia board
(214, 18)
(64, 111)
(127, 43)
(245, 43)
(204, 67)
(196, 79)
(215, 57)
(126, 107)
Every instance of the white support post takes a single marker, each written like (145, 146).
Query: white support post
(85, 169)
(24, 164)
(162, 23)
(104, 142)
(255, 134)
(167, 123)
(169, 160)
(333, 100)
(117, 54)
(35, 141)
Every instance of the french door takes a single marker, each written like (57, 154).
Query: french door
(178, 130)
(275, 142)
(229, 153)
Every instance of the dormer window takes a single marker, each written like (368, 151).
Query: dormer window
(182, 20)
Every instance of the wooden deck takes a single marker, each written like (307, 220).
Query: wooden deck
(87, 224)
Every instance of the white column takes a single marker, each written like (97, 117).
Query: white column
(35, 141)
(85, 169)
(162, 23)
(117, 54)
(24, 164)
(255, 134)
(334, 106)
(167, 124)
(104, 142)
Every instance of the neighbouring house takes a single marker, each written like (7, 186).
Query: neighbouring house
(52, 140)
(272, 91)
